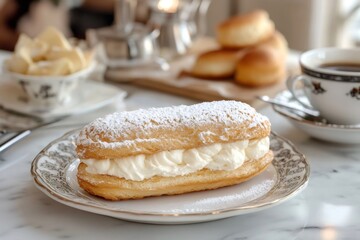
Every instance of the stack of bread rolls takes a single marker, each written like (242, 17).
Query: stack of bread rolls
(251, 51)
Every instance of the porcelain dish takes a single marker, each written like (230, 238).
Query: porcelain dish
(48, 92)
(87, 96)
(54, 172)
(344, 134)
(327, 87)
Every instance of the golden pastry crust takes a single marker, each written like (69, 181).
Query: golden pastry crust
(278, 42)
(114, 188)
(260, 67)
(216, 64)
(245, 30)
(158, 129)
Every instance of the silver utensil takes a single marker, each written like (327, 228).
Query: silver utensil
(24, 133)
(267, 99)
(19, 114)
(12, 121)
(14, 139)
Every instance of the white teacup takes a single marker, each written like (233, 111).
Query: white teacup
(331, 83)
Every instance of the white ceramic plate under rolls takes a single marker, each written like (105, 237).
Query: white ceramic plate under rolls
(344, 134)
(87, 96)
(54, 172)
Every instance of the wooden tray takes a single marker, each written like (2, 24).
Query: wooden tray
(206, 90)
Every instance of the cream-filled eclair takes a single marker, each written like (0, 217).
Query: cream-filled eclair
(172, 150)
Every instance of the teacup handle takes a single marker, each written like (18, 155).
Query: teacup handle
(291, 83)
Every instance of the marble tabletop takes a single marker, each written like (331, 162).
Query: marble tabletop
(327, 209)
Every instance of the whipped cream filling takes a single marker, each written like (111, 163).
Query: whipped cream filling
(218, 156)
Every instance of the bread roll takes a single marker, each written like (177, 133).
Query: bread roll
(216, 64)
(260, 67)
(278, 42)
(245, 30)
(173, 150)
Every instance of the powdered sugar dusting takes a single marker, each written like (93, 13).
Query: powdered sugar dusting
(233, 198)
(253, 192)
(134, 125)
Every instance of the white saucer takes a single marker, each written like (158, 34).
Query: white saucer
(346, 134)
(89, 95)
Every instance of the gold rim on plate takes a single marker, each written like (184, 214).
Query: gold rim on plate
(49, 172)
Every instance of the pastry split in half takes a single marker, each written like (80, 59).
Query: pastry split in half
(172, 150)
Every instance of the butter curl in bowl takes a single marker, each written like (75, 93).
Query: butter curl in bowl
(48, 68)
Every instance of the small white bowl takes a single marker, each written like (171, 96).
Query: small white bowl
(44, 93)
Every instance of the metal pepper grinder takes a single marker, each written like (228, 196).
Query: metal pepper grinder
(127, 44)
(179, 23)
(174, 35)
(124, 13)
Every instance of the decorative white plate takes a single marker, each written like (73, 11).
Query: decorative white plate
(345, 134)
(54, 171)
(88, 95)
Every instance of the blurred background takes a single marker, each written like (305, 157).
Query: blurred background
(306, 24)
